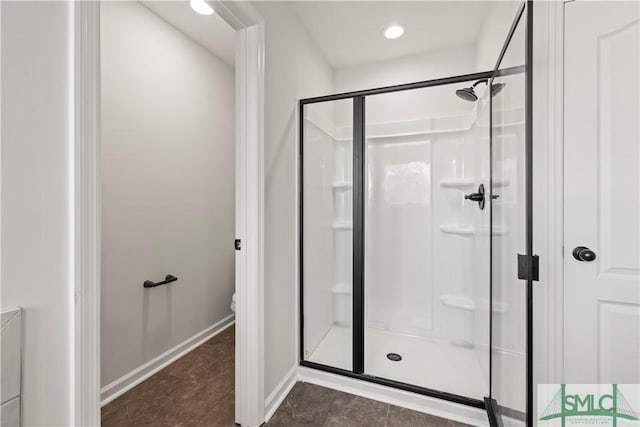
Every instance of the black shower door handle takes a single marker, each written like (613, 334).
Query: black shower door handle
(477, 197)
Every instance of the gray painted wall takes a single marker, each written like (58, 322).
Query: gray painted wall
(168, 187)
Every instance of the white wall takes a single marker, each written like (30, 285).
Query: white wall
(36, 195)
(415, 104)
(493, 34)
(295, 69)
(168, 187)
(425, 66)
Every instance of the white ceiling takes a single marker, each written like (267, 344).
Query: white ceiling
(351, 32)
(210, 31)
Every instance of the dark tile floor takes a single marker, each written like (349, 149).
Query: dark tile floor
(195, 390)
(198, 390)
(312, 405)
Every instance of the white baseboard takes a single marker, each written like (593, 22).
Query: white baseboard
(405, 399)
(281, 391)
(135, 377)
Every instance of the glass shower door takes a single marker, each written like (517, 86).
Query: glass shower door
(511, 255)
(425, 250)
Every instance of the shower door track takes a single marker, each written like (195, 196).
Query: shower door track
(456, 398)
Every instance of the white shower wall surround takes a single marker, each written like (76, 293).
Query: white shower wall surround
(421, 278)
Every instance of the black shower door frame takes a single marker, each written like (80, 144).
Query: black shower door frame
(358, 350)
(359, 108)
(528, 263)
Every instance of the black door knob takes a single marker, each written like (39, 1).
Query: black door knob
(582, 253)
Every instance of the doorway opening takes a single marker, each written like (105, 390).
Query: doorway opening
(168, 209)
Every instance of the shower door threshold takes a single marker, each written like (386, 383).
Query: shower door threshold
(451, 397)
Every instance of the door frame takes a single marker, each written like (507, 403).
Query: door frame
(548, 124)
(553, 152)
(84, 40)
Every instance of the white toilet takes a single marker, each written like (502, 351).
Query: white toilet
(233, 302)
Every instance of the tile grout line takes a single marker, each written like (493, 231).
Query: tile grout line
(293, 413)
(386, 418)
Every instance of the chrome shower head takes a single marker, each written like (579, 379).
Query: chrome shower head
(467, 93)
(496, 88)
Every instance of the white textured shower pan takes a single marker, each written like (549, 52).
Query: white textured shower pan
(427, 363)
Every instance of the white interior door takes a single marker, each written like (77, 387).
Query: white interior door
(602, 192)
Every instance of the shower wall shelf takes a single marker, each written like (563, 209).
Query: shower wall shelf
(458, 301)
(342, 226)
(342, 288)
(460, 184)
(465, 183)
(470, 230)
(459, 229)
(465, 303)
(342, 186)
(410, 128)
(498, 307)
(498, 230)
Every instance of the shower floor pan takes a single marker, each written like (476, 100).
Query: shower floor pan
(427, 363)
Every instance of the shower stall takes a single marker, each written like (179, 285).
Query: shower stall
(416, 264)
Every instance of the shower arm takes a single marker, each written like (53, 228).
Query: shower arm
(485, 81)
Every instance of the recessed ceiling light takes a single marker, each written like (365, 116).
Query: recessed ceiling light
(394, 31)
(201, 6)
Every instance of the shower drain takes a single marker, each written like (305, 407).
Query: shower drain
(394, 357)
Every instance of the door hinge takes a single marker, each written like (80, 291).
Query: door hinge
(238, 244)
(528, 267)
